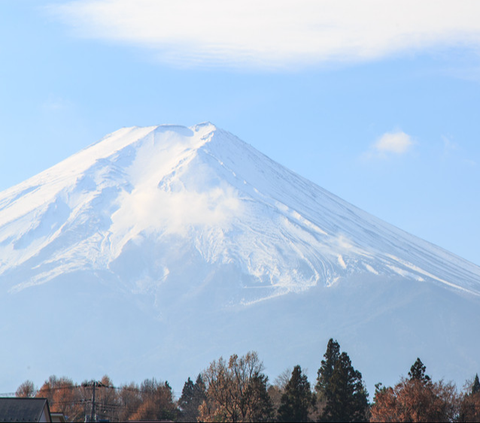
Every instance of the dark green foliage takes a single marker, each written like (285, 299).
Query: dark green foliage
(340, 387)
(187, 408)
(187, 393)
(199, 390)
(346, 397)
(470, 404)
(256, 401)
(417, 372)
(325, 371)
(297, 400)
(193, 395)
(476, 385)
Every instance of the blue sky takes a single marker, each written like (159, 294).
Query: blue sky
(378, 102)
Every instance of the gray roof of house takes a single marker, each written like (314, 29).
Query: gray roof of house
(22, 409)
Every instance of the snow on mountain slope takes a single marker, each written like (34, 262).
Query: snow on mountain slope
(202, 187)
(164, 240)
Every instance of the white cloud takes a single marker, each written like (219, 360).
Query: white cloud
(275, 33)
(397, 142)
(180, 211)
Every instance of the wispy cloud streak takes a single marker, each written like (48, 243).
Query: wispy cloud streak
(275, 34)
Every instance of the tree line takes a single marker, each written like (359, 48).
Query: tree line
(238, 390)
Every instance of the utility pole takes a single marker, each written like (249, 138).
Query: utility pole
(93, 384)
(92, 417)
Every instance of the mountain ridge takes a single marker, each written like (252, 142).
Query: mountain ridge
(115, 172)
(181, 223)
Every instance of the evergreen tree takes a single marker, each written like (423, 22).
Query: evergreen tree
(340, 388)
(297, 400)
(186, 402)
(346, 397)
(199, 387)
(326, 369)
(256, 403)
(199, 396)
(476, 385)
(417, 372)
(187, 393)
(470, 405)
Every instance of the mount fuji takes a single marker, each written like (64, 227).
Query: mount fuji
(158, 249)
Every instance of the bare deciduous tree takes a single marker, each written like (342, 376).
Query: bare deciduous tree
(236, 391)
(26, 390)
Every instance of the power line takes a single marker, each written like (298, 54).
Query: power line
(92, 400)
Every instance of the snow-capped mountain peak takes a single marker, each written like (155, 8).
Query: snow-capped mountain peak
(214, 197)
(155, 242)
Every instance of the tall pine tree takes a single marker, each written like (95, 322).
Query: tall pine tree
(340, 387)
(476, 385)
(193, 395)
(470, 405)
(346, 397)
(297, 400)
(326, 369)
(256, 404)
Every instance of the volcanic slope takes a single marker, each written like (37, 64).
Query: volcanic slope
(157, 242)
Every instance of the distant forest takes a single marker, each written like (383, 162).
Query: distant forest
(237, 390)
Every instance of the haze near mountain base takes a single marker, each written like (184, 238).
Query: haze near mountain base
(158, 249)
